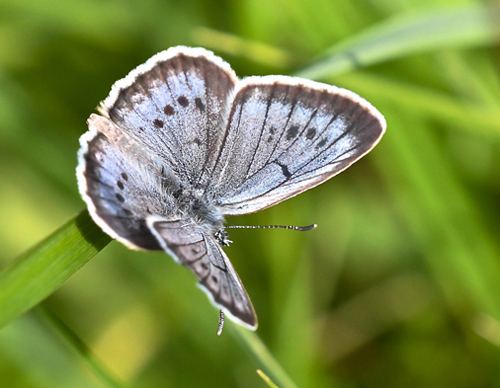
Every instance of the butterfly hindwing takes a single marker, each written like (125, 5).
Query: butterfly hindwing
(202, 254)
(112, 170)
(286, 135)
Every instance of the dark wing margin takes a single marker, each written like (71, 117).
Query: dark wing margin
(201, 253)
(175, 104)
(286, 135)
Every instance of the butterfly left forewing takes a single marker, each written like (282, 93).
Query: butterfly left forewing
(198, 250)
(286, 135)
(175, 105)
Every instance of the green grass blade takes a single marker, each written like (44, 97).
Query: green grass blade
(266, 379)
(471, 25)
(81, 349)
(41, 270)
(261, 354)
(258, 52)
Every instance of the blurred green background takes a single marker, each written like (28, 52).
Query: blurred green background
(398, 286)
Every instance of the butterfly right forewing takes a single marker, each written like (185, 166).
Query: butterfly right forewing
(286, 135)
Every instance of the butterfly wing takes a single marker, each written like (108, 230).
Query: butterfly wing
(175, 105)
(286, 135)
(120, 184)
(202, 254)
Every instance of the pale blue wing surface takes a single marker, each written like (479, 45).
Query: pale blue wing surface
(286, 135)
(120, 184)
(201, 253)
(176, 106)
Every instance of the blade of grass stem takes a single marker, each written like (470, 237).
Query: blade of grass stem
(465, 26)
(81, 349)
(40, 271)
(262, 356)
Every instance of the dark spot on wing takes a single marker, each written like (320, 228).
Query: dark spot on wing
(124, 176)
(215, 280)
(141, 129)
(169, 110)
(272, 131)
(204, 265)
(158, 123)
(285, 171)
(197, 141)
(120, 198)
(321, 143)
(183, 101)
(127, 212)
(310, 133)
(292, 132)
(199, 104)
(120, 185)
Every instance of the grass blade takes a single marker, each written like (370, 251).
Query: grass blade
(471, 25)
(81, 349)
(41, 270)
(261, 354)
(266, 378)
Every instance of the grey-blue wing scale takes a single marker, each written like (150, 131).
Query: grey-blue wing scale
(176, 105)
(286, 135)
(192, 247)
(120, 184)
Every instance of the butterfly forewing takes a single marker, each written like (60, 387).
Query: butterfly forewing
(176, 105)
(202, 254)
(285, 136)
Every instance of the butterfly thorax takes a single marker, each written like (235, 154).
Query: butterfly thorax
(199, 207)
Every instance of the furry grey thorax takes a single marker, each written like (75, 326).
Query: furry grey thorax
(193, 203)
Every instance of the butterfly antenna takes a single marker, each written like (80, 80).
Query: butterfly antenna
(290, 227)
(221, 323)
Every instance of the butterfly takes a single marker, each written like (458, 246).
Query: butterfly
(181, 143)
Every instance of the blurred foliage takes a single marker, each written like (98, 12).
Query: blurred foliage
(398, 286)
